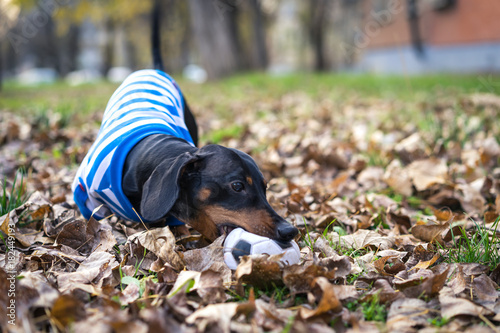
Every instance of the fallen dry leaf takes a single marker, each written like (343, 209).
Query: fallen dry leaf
(365, 238)
(422, 283)
(452, 306)
(90, 275)
(67, 309)
(398, 178)
(425, 173)
(435, 233)
(407, 313)
(86, 236)
(161, 242)
(214, 317)
(327, 301)
(258, 271)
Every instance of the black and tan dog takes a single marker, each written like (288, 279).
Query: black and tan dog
(145, 165)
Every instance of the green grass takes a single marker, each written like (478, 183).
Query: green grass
(13, 198)
(89, 98)
(372, 309)
(481, 247)
(279, 294)
(217, 136)
(57, 98)
(439, 321)
(367, 85)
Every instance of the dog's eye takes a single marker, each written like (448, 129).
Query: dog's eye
(237, 186)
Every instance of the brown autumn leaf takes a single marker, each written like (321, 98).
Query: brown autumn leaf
(407, 313)
(452, 306)
(299, 278)
(269, 317)
(159, 320)
(345, 292)
(210, 257)
(248, 308)
(62, 215)
(47, 292)
(424, 282)
(458, 284)
(371, 178)
(383, 291)
(470, 198)
(379, 264)
(161, 242)
(497, 204)
(411, 148)
(435, 233)
(207, 284)
(258, 271)
(420, 253)
(86, 236)
(427, 263)
(365, 238)
(485, 289)
(214, 317)
(391, 268)
(400, 218)
(428, 172)
(66, 310)
(332, 261)
(211, 288)
(90, 275)
(398, 178)
(495, 274)
(130, 294)
(328, 302)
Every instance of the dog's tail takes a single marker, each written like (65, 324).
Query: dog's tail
(155, 36)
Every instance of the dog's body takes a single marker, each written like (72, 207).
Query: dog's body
(148, 102)
(145, 166)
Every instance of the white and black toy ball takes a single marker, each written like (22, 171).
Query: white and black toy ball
(241, 243)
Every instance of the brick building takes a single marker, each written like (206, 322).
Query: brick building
(455, 36)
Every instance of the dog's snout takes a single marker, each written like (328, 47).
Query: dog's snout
(286, 232)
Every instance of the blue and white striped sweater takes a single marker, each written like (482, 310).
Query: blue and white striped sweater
(147, 102)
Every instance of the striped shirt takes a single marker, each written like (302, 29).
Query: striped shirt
(147, 102)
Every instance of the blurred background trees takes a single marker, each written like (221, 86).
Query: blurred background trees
(222, 37)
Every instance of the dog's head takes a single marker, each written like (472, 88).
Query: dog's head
(214, 190)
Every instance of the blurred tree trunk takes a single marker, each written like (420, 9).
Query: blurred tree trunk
(317, 22)
(259, 37)
(68, 47)
(109, 47)
(413, 20)
(45, 46)
(232, 15)
(1, 64)
(185, 48)
(216, 36)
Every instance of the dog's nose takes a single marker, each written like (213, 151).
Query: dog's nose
(286, 232)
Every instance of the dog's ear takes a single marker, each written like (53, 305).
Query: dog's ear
(161, 190)
(247, 159)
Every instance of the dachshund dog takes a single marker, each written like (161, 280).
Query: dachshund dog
(145, 166)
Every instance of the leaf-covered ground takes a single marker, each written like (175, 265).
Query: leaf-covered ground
(393, 183)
